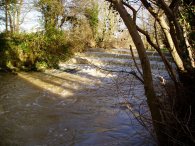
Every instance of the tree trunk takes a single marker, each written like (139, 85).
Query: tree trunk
(9, 16)
(147, 75)
(172, 49)
(165, 28)
(184, 50)
(6, 16)
(184, 102)
(169, 68)
(10, 23)
(18, 16)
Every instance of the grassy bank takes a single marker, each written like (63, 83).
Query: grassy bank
(36, 51)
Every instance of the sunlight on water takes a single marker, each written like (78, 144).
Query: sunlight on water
(86, 107)
(62, 84)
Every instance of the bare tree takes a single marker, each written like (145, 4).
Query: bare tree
(12, 14)
(147, 74)
(167, 16)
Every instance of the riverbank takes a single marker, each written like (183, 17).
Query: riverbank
(36, 51)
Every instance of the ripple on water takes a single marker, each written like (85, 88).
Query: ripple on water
(32, 113)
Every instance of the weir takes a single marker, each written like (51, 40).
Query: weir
(79, 104)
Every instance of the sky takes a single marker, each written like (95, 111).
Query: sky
(31, 22)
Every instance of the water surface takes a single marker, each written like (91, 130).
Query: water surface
(87, 107)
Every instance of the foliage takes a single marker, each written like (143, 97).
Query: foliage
(92, 15)
(187, 18)
(34, 51)
(44, 49)
(51, 11)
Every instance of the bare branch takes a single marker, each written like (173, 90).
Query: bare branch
(167, 64)
(132, 9)
(120, 71)
(135, 61)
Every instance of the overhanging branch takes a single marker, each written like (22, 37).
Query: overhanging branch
(167, 64)
(120, 71)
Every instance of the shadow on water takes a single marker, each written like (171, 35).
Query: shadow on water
(44, 109)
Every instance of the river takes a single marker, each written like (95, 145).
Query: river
(84, 107)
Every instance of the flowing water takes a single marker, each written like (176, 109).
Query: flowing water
(77, 105)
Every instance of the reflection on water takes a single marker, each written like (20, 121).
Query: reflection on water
(77, 105)
(57, 109)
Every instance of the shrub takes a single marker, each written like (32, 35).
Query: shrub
(34, 51)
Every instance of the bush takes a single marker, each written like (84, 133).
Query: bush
(34, 51)
(41, 65)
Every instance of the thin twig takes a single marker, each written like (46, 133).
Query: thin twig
(133, 57)
(120, 71)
